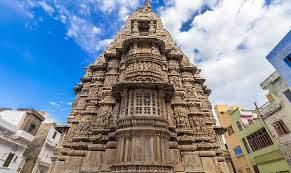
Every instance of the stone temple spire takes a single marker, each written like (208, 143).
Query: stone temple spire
(147, 4)
(142, 107)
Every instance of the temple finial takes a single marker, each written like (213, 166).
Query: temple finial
(147, 3)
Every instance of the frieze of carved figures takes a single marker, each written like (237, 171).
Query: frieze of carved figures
(84, 129)
(176, 81)
(80, 103)
(71, 133)
(181, 117)
(104, 115)
(155, 50)
(122, 76)
(169, 112)
(198, 125)
(190, 92)
(110, 80)
(96, 91)
(86, 124)
(113, 116)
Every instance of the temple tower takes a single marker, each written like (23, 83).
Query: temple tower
(142, 107)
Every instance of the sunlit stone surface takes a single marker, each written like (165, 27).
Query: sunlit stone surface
(141, 107)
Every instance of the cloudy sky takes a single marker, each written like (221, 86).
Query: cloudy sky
(45, 44)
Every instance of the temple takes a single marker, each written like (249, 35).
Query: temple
(142, 107)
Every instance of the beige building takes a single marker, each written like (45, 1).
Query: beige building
(233, 140)
(277, 112)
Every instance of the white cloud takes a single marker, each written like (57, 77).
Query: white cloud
(62, 18)
(54, 104)
(103, 44)
(46, 7)
(17, 8)
(233, 40)
(96, 30)
(84, 33)
(122, 6)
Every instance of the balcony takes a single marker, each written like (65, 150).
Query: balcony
(51, 143)
(7, 126)
(269, 108)
(24, 135)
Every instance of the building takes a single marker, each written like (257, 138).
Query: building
(263, 152)
(256, 144)
(17, 131)
(225, 156)
(62, 129)
(277, 112)
(40, 151)
(280, 58)
(141, 107)
(235, 145)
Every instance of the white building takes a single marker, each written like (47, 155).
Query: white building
(17, 130)
(39, 153)
(277, 112)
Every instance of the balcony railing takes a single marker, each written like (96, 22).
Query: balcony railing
(269, 108)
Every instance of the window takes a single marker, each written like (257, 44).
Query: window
(143, 102)
(230, 130)
(144, 26)
(280, 127)
(31, 128)
(147, 99)
(246, 145)
(288, 60)
(8, 160)
(287, 94)
(55, 134)
(239, 126)
(147, 110)
(259, 139)
(15, 159)
(238, 151)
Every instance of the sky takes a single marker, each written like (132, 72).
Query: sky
(46, 44)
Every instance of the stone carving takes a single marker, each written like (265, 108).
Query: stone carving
(141, 107)
(104, 115)
(110, 80)
(181, 118)
(176, 81)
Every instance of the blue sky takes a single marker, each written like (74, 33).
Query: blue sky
(40, 62)
(45, 45)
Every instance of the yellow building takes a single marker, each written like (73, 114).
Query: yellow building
(235, 146)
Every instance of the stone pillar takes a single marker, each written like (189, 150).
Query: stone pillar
(142, 145)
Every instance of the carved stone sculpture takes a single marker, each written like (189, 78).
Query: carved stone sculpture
(141, 108)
